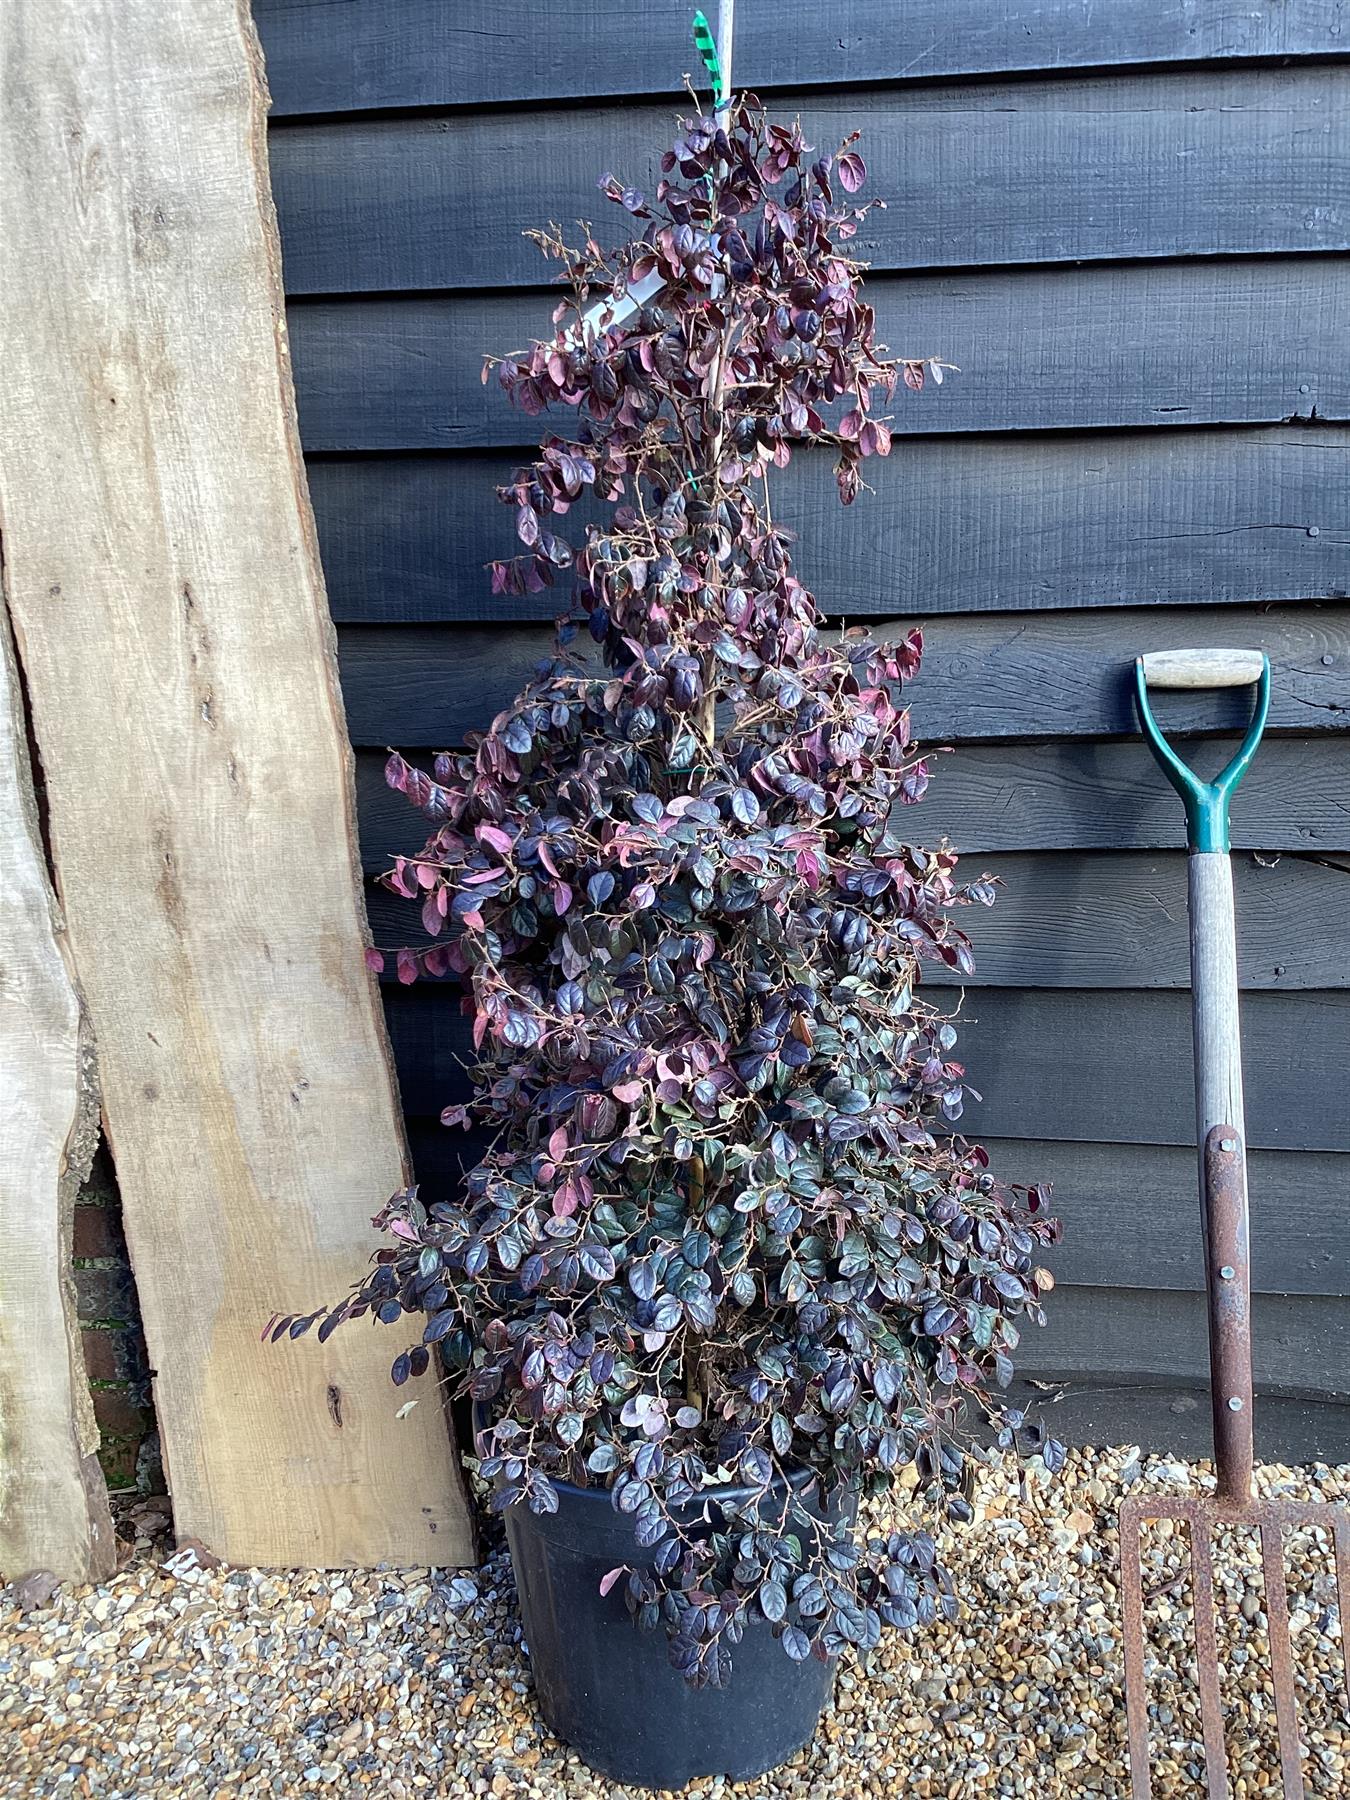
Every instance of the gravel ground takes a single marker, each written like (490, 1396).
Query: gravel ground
(179, 1680)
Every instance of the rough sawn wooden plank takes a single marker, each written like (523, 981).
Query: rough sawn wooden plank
(53, 1506)
(171, 621)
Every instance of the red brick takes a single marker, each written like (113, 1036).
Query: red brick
(100, 1354)
(97, 1233)
(119, 1414)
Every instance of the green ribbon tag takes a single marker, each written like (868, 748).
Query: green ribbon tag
(706, 45)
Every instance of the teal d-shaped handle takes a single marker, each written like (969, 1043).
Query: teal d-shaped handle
(1206, 802)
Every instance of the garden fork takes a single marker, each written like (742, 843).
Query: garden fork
(1223, 1206)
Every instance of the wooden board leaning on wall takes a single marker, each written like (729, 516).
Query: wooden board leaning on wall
(169, 608)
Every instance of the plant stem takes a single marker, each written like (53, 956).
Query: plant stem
(692, 1385)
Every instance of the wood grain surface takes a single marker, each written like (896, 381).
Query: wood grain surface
(169, 610)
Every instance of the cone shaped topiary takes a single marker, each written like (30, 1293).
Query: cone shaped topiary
(721, 1229)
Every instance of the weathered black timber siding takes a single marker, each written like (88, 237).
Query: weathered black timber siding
(1128, 226)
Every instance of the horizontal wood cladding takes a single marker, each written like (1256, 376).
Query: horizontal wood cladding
(1137, 263)
(1129, 1307)
(1300, 1344)
(1117, 919)
(1130, 1211)
(1112, 919)
(1219, 164)
(1107, 796)
(957, 524)
(991, 798)
(1076, 1067)
(1174, 1421)
(1209, 342)
(993, 676)
(1131, 1214)
(336, 56)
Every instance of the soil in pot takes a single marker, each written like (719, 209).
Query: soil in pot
(608, 1688)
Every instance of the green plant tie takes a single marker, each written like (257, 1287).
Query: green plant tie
(706, 45)
(1206, 802)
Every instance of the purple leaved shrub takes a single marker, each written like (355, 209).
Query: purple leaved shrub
(722, 1230)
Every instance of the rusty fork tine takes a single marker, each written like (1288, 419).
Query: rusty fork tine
(1132, 1641)
(1281, 1659)
(1207, 1660)
(1340, 1538)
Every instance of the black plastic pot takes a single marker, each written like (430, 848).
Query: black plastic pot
(607, 1688)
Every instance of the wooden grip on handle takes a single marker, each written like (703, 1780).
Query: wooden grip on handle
(1202, 668)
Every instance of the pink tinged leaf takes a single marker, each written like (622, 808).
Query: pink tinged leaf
(473, 919)
(914, 376)
(546, 857)
(562, 896)
(455, 1115)
(375, 961)
(559, 1144)
(850, 425)
(808, 867)
(402, 1229)
(396, 772)
(642, 896)
(495, 838)
(608, 1579)
(913, 783)
(852, 171)
(567, 1199)
(427, 876)
(627, 1092)
(480, 1025)
(432, 915)
(407, 967)
(435, 962)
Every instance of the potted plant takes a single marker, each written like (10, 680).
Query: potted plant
(722, 1268)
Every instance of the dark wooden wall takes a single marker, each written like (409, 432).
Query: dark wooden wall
(1128, 225)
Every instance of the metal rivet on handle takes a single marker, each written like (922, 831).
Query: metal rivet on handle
(1228, 1143)
(1235, 1405)
(1226, 1273)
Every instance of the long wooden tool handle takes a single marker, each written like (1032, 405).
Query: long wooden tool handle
(1230, 1309)
(1220, 1131)
(1214, 994)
